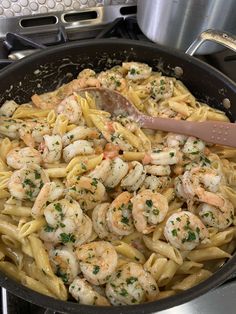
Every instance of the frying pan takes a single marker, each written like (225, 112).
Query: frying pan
(54, 66)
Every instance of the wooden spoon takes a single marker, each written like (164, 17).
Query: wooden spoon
(216, 132)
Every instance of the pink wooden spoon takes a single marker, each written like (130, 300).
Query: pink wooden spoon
(216, 132)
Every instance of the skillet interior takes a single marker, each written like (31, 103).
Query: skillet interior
(52, 67)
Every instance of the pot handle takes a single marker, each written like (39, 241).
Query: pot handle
(220, 37)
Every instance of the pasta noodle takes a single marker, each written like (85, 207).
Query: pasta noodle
(94, 207)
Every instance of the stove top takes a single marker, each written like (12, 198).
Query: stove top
(117, 21)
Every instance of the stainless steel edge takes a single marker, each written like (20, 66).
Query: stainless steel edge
(4, 301)
(223, 38)
(105, 15)
(176, 23)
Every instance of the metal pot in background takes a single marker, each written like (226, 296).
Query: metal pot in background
(176, 23)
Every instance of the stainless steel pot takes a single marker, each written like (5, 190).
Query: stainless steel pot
(176, 23)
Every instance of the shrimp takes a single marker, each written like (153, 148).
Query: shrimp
(219, 217)
(175, 140)
(86, 73)
(79, 133)
(32, 132)
(169, 156)
(49, 192)
(64, 263)
(119, 215)
(80, 147)
(71, 109)
(84, 293)
(19, 157)
(99, 220)
(158, 170)
(8, 108)
(88, 191)
(63, 218)
(98, 260)
(161, 88)
(102, 171)
(185, 231)
(26, 183)
(47, 100)
(156, 184)
(10, 127)
(51, 148)
(131, 284)
(119, 169)
(193, 147)
(196, 182)
(84, 231)
(134, 179)
(137, 71)
(149, 209)
(112, 80)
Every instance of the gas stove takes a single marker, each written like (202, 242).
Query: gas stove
(21, 37)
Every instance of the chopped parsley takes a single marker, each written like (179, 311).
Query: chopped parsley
(29, 182)
(155, 211)
(48, 228)
(94, 182)
(132, 71)
(191, 237)
(96, 269)
(174, 232)
(149, 203)
(125, 220)
(29, 193)
(67, 237)
(37, 175)
(198, 230)
(58, 207)
(131, 280)
(124, 292)
(62, 275)
(171, 154)
(205, 161)
(83, 166)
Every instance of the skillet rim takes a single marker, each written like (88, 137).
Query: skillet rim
(71, 307)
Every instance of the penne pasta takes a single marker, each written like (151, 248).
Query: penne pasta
(164, 249)
(192, 280)
(168, 273)
(129, 252)
(207, 254)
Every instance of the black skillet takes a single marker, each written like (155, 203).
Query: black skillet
(50, 68)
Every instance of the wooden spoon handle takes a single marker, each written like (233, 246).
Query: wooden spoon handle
(222, 133)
